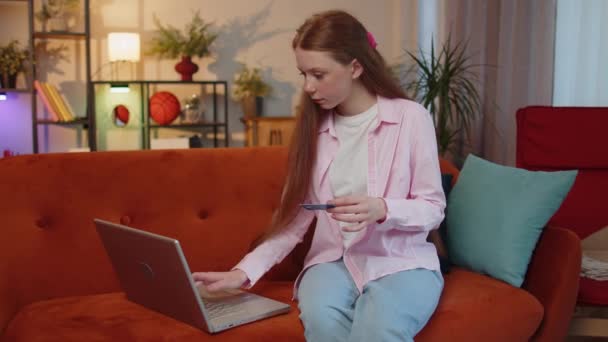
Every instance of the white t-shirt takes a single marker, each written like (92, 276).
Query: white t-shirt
(348, 171)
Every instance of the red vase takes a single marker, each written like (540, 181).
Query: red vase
(186, 68)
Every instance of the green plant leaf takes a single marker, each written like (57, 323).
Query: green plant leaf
(170, 42)
(444, 82)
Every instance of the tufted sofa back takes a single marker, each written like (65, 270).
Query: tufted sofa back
(215, 201)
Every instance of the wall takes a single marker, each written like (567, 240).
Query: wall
(258, 33)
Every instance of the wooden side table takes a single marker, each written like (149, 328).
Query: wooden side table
(268, 131)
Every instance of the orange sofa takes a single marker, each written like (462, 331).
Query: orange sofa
(57, 284)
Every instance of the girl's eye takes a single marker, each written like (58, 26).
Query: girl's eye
(318, 76)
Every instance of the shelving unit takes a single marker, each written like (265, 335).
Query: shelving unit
(80, 121)
(14, 90)
(88, 120)
(60, 35)
(219, 124)
(214, 131)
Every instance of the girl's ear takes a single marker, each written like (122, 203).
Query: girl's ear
(356, 69)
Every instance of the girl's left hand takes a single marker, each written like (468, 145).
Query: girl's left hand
(360, 210)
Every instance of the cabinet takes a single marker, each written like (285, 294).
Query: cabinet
(268, 131)
(212, 126)
(82, 121)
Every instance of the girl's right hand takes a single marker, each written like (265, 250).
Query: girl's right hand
(218, 281)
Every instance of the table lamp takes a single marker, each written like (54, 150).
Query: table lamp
(123, 47)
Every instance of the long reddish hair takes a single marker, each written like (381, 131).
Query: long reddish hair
(345, 39)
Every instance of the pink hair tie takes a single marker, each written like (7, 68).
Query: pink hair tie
(371, 40)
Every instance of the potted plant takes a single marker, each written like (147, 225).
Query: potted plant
(250, 89)
(445, 85)
(60, 14)
(12, 62)
(195, 40)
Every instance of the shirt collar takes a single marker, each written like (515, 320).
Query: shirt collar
(385, 114)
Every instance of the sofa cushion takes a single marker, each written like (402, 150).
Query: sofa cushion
(111, 317)
(473, 308)
(496, 214)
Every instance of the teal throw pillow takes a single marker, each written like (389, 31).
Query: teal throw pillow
(497, 213)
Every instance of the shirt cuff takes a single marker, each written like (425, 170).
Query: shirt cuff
(388, 222)
(385, 211)
(253, 271)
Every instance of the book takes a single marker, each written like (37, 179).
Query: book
(54, 102)
(64, 110)
(46, 100)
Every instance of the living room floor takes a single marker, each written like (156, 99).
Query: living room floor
(593, 328)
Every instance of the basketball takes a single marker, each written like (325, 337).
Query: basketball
(164, 107)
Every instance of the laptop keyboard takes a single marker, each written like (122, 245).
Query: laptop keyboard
(223, 308)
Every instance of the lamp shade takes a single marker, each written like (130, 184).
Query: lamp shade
(123, 46)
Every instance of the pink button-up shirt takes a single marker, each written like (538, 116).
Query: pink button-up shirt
(403, 168)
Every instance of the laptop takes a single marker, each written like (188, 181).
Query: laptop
(153, 272)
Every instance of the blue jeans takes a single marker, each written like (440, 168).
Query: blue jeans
(393, 308)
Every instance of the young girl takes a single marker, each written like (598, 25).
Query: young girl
(370, 274)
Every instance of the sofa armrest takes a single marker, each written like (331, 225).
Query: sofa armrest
(8, 301)
(553, 276)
